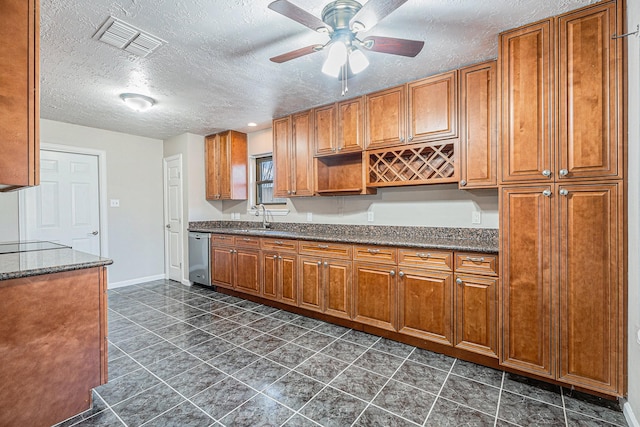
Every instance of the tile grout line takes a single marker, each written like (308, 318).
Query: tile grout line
(440, 391)
(495, 421)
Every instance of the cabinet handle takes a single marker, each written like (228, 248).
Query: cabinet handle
(463, 183)
(546, 173)
(333, 149)
(326, 264)
(293, 192)
(339, 148)
(246, 239)
(564, 172)
(280, 257)
(564, 192)
(459, 281)
(475, 259)
(402, 139)
(373, 251)
(401, 274)
(319, 262)
(278, 242)
(323, 246)
(392, 273)
(546, 193)
(423, 255)
(410, 137)
(231, 251)
(275, 257)
(288, 191)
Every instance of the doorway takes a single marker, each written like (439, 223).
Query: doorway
(173, 242)
(68, 205)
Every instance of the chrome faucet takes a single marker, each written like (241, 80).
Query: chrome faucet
(265, 224)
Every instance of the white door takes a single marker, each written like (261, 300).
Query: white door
(173, 216)
(65, 207)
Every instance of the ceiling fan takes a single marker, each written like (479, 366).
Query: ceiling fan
(342, 20)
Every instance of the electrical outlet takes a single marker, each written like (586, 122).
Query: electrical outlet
(115, 203)
(370, 216)
(309, 216)
(476, 217)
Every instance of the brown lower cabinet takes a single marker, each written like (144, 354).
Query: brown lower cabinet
(325, 285)
(476, 304)
(279, 277)
(375, 295)
(235, 268)
(563, 283)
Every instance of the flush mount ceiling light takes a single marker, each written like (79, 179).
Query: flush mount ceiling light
(341, 21)
(137, 102)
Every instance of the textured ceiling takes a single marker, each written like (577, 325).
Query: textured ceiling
(214, 72)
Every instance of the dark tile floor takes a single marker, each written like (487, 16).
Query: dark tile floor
(182, 356)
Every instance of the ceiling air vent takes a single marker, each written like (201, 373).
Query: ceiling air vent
(127, 37)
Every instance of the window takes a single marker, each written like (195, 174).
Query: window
(264, 182)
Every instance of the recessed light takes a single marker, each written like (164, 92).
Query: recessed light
(137, 102)
(252, 124)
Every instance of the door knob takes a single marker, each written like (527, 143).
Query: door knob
(168, 226)
(95, 233)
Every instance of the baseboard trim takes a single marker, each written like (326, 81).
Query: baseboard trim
(630, 416)
(114, 285)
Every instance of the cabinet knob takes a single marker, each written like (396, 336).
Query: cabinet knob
(392, 273)
(546, 193)
(564, 192)
(401, 274)
(319, 262)
(546, 173)
(280, 257)
(410, 137)
(402, 139)
(231, 251)
(288, 191)
(463, 183)
(333, 149)
(459, 281)
(564, 172)
(293, 192)
(275, 257)
(326, 264)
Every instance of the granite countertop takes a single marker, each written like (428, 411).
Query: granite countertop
(459, 239)
(46, 260)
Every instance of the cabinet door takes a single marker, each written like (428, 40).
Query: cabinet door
(337, 278)
(310, 283)
(375, 294)
(385, 117)
(288, 279)
(350, 125)
(426, 305)
(211, 170)
(281, 157)
(592, 333)
(476, 302)
(302, 158)
(247, 272)
(223, 165)
(19, 86)
(270, 275)
(527, 87)
(590, 143)
(324, 138)
(478, 114)
(433, 108)
(222, 266)
(527, 295)
(235, 188)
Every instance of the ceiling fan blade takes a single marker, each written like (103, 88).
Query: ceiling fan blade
(393, 46)
(296, 53)
(292, 11)
(374, 11)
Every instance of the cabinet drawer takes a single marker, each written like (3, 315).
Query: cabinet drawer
(325, 249)
(477, 263)
(440, 260)
(375, 254)
(280, 245)
(246, 241)
(221, 239)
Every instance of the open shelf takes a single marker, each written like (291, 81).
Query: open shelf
(341, 175)
(428, 163)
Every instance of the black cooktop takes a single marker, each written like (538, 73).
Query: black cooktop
(14, 247)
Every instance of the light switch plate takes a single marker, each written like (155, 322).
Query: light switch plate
(309, 216)
(476, 217)
(115, 203)
(370, 216)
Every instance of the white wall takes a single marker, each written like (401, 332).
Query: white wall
(9, 231)
(425, 205)
(134, 176)
(633, 56)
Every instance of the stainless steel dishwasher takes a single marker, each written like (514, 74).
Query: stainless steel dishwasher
(200, 258)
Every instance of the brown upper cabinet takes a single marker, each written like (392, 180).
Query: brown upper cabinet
(226, 166)
(421, 111)
(292, 138)
(581, 138)
(339, 128)
(19, 86)
(478, 126)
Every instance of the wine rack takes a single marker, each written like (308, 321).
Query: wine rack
(413, 164)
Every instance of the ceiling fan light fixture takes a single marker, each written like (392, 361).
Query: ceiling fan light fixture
(336, 59)
(357, 61)
(137, 102)
(322, 30)
(357, 26)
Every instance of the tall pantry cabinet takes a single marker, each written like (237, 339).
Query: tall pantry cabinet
(562, 199)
